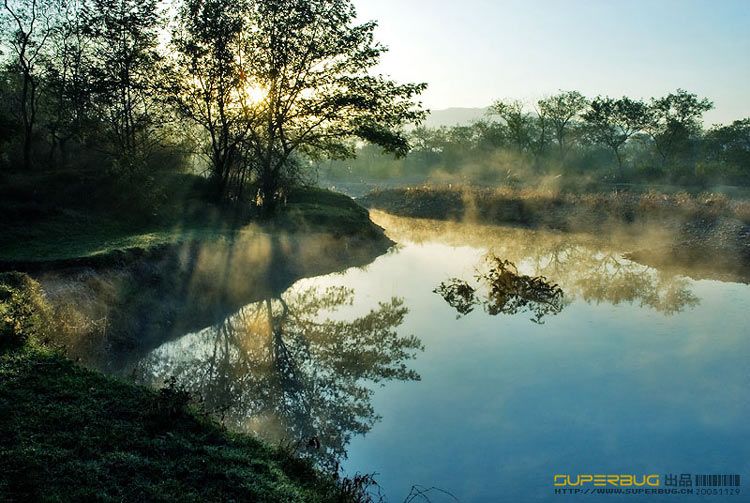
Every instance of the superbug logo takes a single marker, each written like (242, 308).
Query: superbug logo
(607, 480)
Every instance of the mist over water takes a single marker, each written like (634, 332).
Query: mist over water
(632, 370)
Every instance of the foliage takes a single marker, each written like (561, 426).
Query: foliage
(24, 315)
(276, 79)
(459, 294)
(256, 88)
(208, 47)
(562, 111)
(612, 122)
(314, 63)
(727, 148)
(518, 122)
(31, 24)
(567, 142)
(675, 125)
(124, 73)
(510, 292)
(504, 291)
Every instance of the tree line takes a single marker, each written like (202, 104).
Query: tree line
(611, 139)
(248, 90)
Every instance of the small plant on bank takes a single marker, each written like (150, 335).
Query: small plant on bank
(24, 314)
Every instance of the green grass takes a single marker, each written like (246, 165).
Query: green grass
(81, 237)
(320, 209)
(71, 434)
(62, 217)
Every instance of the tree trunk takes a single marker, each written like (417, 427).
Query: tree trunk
(268, 192)
(28, 127)
(27, 149)
(620, 167)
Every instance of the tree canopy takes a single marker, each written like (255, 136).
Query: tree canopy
(275, 79)
(258, 87)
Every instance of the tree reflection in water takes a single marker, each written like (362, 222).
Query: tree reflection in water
(583, 267)
(504, 291)
(282, 371)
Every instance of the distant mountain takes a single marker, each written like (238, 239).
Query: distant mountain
(454, 117)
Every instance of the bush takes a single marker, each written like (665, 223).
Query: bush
(25, 316)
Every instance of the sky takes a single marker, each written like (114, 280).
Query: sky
(472, 52)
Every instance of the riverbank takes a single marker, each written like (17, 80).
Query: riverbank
(115, 276)
(124, 286)
(59, 219)
(114, 315)
(71, 434)
(707, 231)
(125, 280)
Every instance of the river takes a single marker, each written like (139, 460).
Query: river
(482, 361)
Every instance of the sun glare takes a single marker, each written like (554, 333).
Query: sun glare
(255, 94)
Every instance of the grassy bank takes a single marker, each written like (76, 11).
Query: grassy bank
(555, 209)
(71, 434)
(115, 315)
(64, 218)
(129, 269)
(166, 258)
(705, 230)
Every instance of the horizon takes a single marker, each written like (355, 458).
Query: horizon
(640, 49)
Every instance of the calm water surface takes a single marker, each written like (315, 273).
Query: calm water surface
(632, 370)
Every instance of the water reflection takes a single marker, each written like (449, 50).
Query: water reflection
(606, 276)
(300, 366)
(116, 315)
(501, 289)
(284, 370)
(587, 267)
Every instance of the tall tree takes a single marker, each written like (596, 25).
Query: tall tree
(126, 70)
(8, 124)
(31, 25)
(612, 122)
(310, 63)
(676, 120)
(561, 110)
(278, 78)
(518, 122)
(729, 146)
(68, 83)
(209, 49)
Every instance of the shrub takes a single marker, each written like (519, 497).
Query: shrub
(25, 316)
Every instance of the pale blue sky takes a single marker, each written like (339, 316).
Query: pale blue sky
(474, 51)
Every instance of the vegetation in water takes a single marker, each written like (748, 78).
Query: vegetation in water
(501, 289)
(588, 267)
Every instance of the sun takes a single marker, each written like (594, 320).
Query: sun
(255, 94)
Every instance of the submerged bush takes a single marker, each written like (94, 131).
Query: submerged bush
(24, 313)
